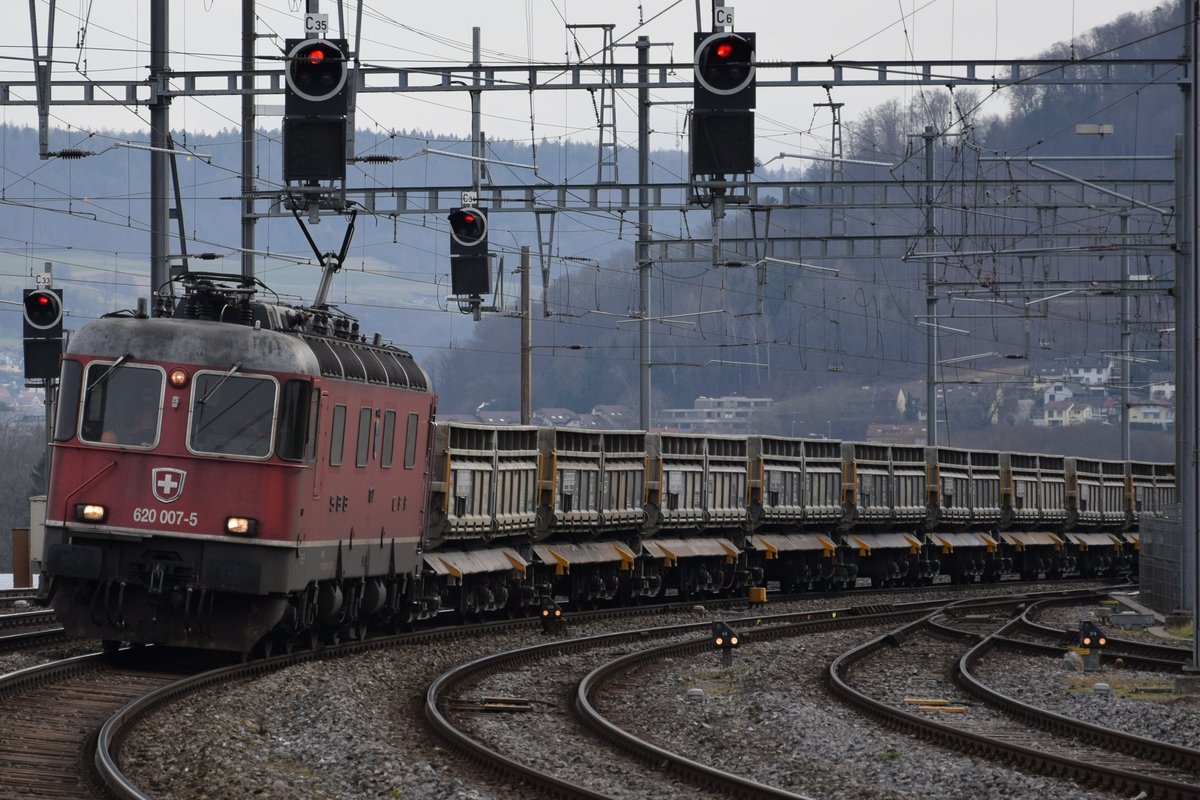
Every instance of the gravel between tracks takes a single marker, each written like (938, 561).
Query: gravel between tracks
(351, 728)
(40, 654)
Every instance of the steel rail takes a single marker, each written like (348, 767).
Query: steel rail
(1040, 760)
(113, 732)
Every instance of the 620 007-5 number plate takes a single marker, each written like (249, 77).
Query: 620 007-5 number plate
(166, 516)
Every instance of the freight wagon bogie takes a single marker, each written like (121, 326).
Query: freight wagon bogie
(970, 557)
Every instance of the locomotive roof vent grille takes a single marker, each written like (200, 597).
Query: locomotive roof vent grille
(363, 363)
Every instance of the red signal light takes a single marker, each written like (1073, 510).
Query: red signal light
(724, 50)
(316, 56)
(42, 300)
(468, 218)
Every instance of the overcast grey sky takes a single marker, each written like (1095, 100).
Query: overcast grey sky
(205, 34)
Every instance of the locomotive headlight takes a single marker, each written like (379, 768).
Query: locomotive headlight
(243, 526)
(90, 512)
(178, 378)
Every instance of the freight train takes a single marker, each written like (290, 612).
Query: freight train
(234, 473)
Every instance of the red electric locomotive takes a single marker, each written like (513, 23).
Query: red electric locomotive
(241, 472)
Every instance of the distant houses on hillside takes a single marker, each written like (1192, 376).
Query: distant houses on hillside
(1078, 392)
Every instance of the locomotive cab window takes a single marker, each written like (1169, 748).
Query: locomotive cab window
(232, 415)
(68, 400)
(122, 404)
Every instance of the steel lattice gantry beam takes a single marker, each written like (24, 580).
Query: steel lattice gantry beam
(369, 79)
(894, 194)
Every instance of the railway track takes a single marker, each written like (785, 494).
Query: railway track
(28, 639)
(454, 692)
(114, 732)
(150, 689)
(52, 712)
(13, 597)
(27, 620)
(1002, 727)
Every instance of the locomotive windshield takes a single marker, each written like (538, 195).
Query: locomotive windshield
(232, 414)
(122, 404)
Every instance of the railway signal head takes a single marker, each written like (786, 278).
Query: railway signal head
(315, 74)
(43, 333)
(552, 618)
(1090, 635)
(469, 252)
(724, 636)
(468, 231)
(43, 314)
(724, 71)
(722, 118)
(314, 109)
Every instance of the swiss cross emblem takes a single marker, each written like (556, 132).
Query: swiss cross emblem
(167, 484)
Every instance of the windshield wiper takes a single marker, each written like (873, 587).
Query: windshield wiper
(108, 373)
(220, 383)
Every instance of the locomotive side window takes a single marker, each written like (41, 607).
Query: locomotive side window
(292, 436)
(389, 439)
(122, 404)
(68, 399)
(410, 441)
(337, 438)
(232, 415)
(363, 454)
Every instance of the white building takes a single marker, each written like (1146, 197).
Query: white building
(715, 415)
